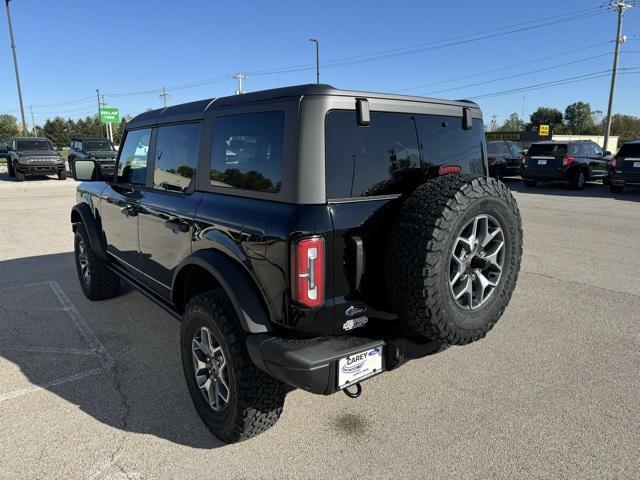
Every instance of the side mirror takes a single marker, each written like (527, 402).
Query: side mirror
(87, 171)
(607, 153)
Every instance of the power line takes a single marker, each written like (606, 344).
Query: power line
(552, 67)
(508, 67)
(563, 81)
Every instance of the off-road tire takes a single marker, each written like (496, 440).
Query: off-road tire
(530, 183)
(419, 251)
(62, 175)
(615, 188)
(578, 180)
(256, 399)
(103, 283)
(20, 177)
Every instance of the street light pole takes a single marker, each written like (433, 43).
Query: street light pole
(315, 40)
(15, 66)
(620, 6)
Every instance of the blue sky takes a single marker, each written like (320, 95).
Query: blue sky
(67, 49)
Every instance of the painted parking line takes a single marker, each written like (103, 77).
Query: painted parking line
(95, 346)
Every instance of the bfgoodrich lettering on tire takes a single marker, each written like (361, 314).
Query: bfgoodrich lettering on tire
(453, 257)
(234, 399)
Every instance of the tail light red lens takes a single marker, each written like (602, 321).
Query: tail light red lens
(568, 160)
(308, 270)
(614, 161)
(446, 169)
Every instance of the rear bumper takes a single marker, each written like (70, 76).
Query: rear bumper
(312, 364)
(512, 170)
(622, 179)
(557, 175)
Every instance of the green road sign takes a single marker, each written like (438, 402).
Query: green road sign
(109, 115)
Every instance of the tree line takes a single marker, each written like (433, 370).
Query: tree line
(577, 119)
(61, 131)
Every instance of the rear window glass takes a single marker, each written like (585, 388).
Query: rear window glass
(247, 151)
(363, 161)
(631, 150)
(551, 149)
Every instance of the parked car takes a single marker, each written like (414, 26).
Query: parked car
(574, 162)
(625, 167)
(100, 149)
(306, 237)
(34, 156)
(505, 158)
(4, 150)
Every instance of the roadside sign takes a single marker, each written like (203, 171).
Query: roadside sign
(543, 130)
(109, 115)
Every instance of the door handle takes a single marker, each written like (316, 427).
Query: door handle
(177, 226)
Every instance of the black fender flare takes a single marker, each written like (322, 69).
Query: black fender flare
(241, 289)
(83, 211)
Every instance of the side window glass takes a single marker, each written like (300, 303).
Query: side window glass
(247, 151)
(132, 166)
(598, 150)
(176, 157)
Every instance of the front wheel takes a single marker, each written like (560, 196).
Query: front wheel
(62, 175)
(234, 399)
(20, 177)
(10, 169)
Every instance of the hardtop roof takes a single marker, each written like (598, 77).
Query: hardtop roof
(195, 110)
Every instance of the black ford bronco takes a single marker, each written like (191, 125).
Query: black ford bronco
(99, 149)
(306, 237)
(34, 156)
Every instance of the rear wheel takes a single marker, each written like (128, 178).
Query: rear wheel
(234, 399)
(578, 180)
(453, 257)
(530, 183)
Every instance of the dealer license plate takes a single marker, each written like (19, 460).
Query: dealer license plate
(636, 164)
(542, 162)
(359, 366)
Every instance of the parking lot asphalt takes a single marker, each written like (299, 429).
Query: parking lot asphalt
(96, 391)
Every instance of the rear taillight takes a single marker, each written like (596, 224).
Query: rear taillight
(308, 270)
(614, 161)
(447, 169)
(568, 160)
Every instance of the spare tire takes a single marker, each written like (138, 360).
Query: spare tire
(453, 257)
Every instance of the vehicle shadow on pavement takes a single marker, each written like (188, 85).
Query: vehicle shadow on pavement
(5, 178)
(591, 190)
(117, 360)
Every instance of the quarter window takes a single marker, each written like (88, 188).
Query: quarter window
(176, 157)
(132, 166)
(247, 151)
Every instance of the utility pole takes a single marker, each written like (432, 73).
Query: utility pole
(108, 125)
(35, 129)
(164, 95)
(240, 77)
(620, 6)
(15, 66)
(317, 42)
(99, 105)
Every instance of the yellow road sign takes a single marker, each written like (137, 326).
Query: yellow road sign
(543, 130)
